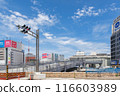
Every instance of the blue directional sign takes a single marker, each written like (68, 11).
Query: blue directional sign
(2, 44)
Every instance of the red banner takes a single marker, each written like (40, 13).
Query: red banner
(7, 43)
(14, 44)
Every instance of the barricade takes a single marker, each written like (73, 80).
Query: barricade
(12, 75)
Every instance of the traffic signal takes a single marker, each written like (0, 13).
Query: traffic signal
(28, 29)
(23, 26)
(25, 29)
(18, 26)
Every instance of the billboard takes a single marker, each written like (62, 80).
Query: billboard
(2, 44)
(14, 44)
(7, 43)
(10, 43)
(45, 55)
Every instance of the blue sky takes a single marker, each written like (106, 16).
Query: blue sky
(66, 26)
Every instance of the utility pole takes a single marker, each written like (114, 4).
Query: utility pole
(26, 30)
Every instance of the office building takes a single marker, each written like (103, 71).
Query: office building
(11, 53)
(115, 42)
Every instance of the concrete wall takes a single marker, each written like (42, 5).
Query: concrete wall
(76, 74)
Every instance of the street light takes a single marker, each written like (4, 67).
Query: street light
(26, 30)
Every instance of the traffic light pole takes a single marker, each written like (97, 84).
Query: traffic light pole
(37, 50)
(26, 29)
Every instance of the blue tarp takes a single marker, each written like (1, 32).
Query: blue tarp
(106, 70)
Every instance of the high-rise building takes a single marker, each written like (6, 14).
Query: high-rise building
(115, 42)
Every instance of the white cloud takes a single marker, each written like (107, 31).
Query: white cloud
(17, 14)
(48, 36)
(16, 18)
(4, 36)
(113, 7)
(101, 31)
(85, 12)
(78, 44)
(28, 37)
(91, 11)
(34, 2)
(68, 46)
(101, 28)
(35, 9)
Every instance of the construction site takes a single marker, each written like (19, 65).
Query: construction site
(58, 70)
(14, 64)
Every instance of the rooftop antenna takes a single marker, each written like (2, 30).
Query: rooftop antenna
(28, 51)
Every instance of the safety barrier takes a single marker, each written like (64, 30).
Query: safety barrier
(81, 75)
(12, 75)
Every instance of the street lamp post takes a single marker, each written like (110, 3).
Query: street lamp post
(26, 30)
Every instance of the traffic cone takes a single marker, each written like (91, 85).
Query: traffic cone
(30, 77)
(18, 77)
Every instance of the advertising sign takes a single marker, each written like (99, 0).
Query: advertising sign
(44, 55)
(114, 62)
(14, 44)
(117, 26)
(10, 43)
(2, 44)
(7, 43)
